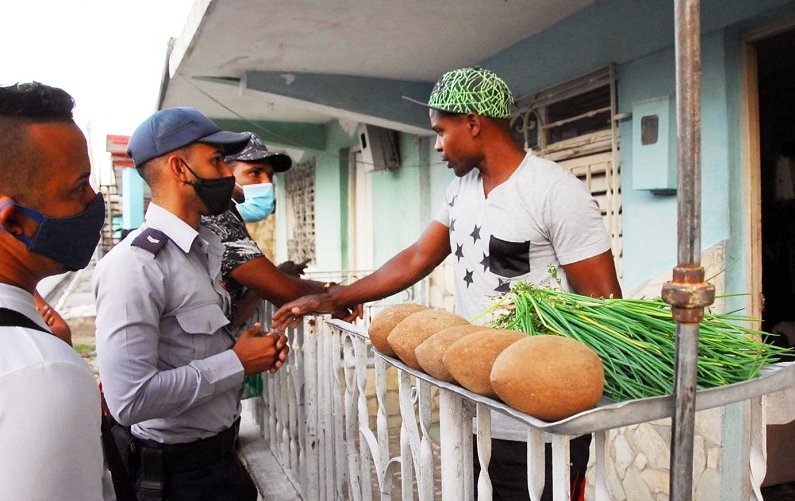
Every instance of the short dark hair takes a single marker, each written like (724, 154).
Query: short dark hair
(148, 171)
(21, 105)
(35, 102)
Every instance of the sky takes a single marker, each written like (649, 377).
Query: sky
(108, 54)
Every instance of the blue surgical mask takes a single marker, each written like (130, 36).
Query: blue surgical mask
(259, 202)
(67, 240)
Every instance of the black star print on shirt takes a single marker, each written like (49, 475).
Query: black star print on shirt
(468, 278)
(505, 286)
(459, 251)
(452, 202)
(485, 262)
(475, 234)
(452, 225)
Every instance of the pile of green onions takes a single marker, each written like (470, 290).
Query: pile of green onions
(635, 338)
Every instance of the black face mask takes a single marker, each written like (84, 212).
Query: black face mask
(215, 193)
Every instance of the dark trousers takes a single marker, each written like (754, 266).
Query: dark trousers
(508, 469)
(224, 480)
(207, 469)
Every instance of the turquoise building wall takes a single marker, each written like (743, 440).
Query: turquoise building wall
(397, 203)
(638, 38)
(331, 198)
(399, 197)
(650, 222)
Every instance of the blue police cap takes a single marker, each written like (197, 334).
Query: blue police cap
(174, 128)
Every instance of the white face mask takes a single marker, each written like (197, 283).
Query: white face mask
(259, 202)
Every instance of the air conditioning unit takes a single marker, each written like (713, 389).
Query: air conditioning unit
(380, 148)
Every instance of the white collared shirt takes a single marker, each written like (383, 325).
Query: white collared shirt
(165, 358)
(49, 413)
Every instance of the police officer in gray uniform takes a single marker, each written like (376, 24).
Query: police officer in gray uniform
(169, 366)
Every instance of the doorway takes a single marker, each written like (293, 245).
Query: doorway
(776, 90)
(771, 66)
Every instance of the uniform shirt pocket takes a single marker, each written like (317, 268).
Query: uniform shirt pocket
(199, 325)
(204, 319)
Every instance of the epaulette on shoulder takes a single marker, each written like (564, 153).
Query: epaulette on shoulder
(151, 240)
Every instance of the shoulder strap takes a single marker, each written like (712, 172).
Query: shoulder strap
(9, 318)
(151, 240)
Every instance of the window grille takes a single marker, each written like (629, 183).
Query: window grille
(300, 189)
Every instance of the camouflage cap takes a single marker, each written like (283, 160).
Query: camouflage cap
(471, 90)
(256, 151)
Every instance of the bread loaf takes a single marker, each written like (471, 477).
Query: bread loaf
(548, 377)
(386, 320)
(416, 328)
(430, 352)
(469, 360)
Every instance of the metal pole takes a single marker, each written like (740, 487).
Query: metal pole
(687, 293)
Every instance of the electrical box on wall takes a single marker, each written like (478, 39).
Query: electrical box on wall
(380, 148)
(654, 145)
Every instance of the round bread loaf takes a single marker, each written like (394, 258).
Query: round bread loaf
(416, 328)
(386, 320)
(469, 359)
(549, 377)
(430, 352)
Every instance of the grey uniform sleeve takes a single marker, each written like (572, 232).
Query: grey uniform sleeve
(131, 296)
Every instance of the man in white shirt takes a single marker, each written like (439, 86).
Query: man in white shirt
(51, 220)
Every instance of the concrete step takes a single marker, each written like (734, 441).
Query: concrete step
(268, 475)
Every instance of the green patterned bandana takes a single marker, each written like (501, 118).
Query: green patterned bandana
(472, 90)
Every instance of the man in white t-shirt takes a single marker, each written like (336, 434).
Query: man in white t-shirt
(507, 216)
(50, 220)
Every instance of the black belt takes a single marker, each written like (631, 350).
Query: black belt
(193, 455)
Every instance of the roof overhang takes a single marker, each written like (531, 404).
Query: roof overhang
(310, 62)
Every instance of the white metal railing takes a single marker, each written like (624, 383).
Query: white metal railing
(315, 416)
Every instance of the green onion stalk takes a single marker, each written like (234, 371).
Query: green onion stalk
(636, 338)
